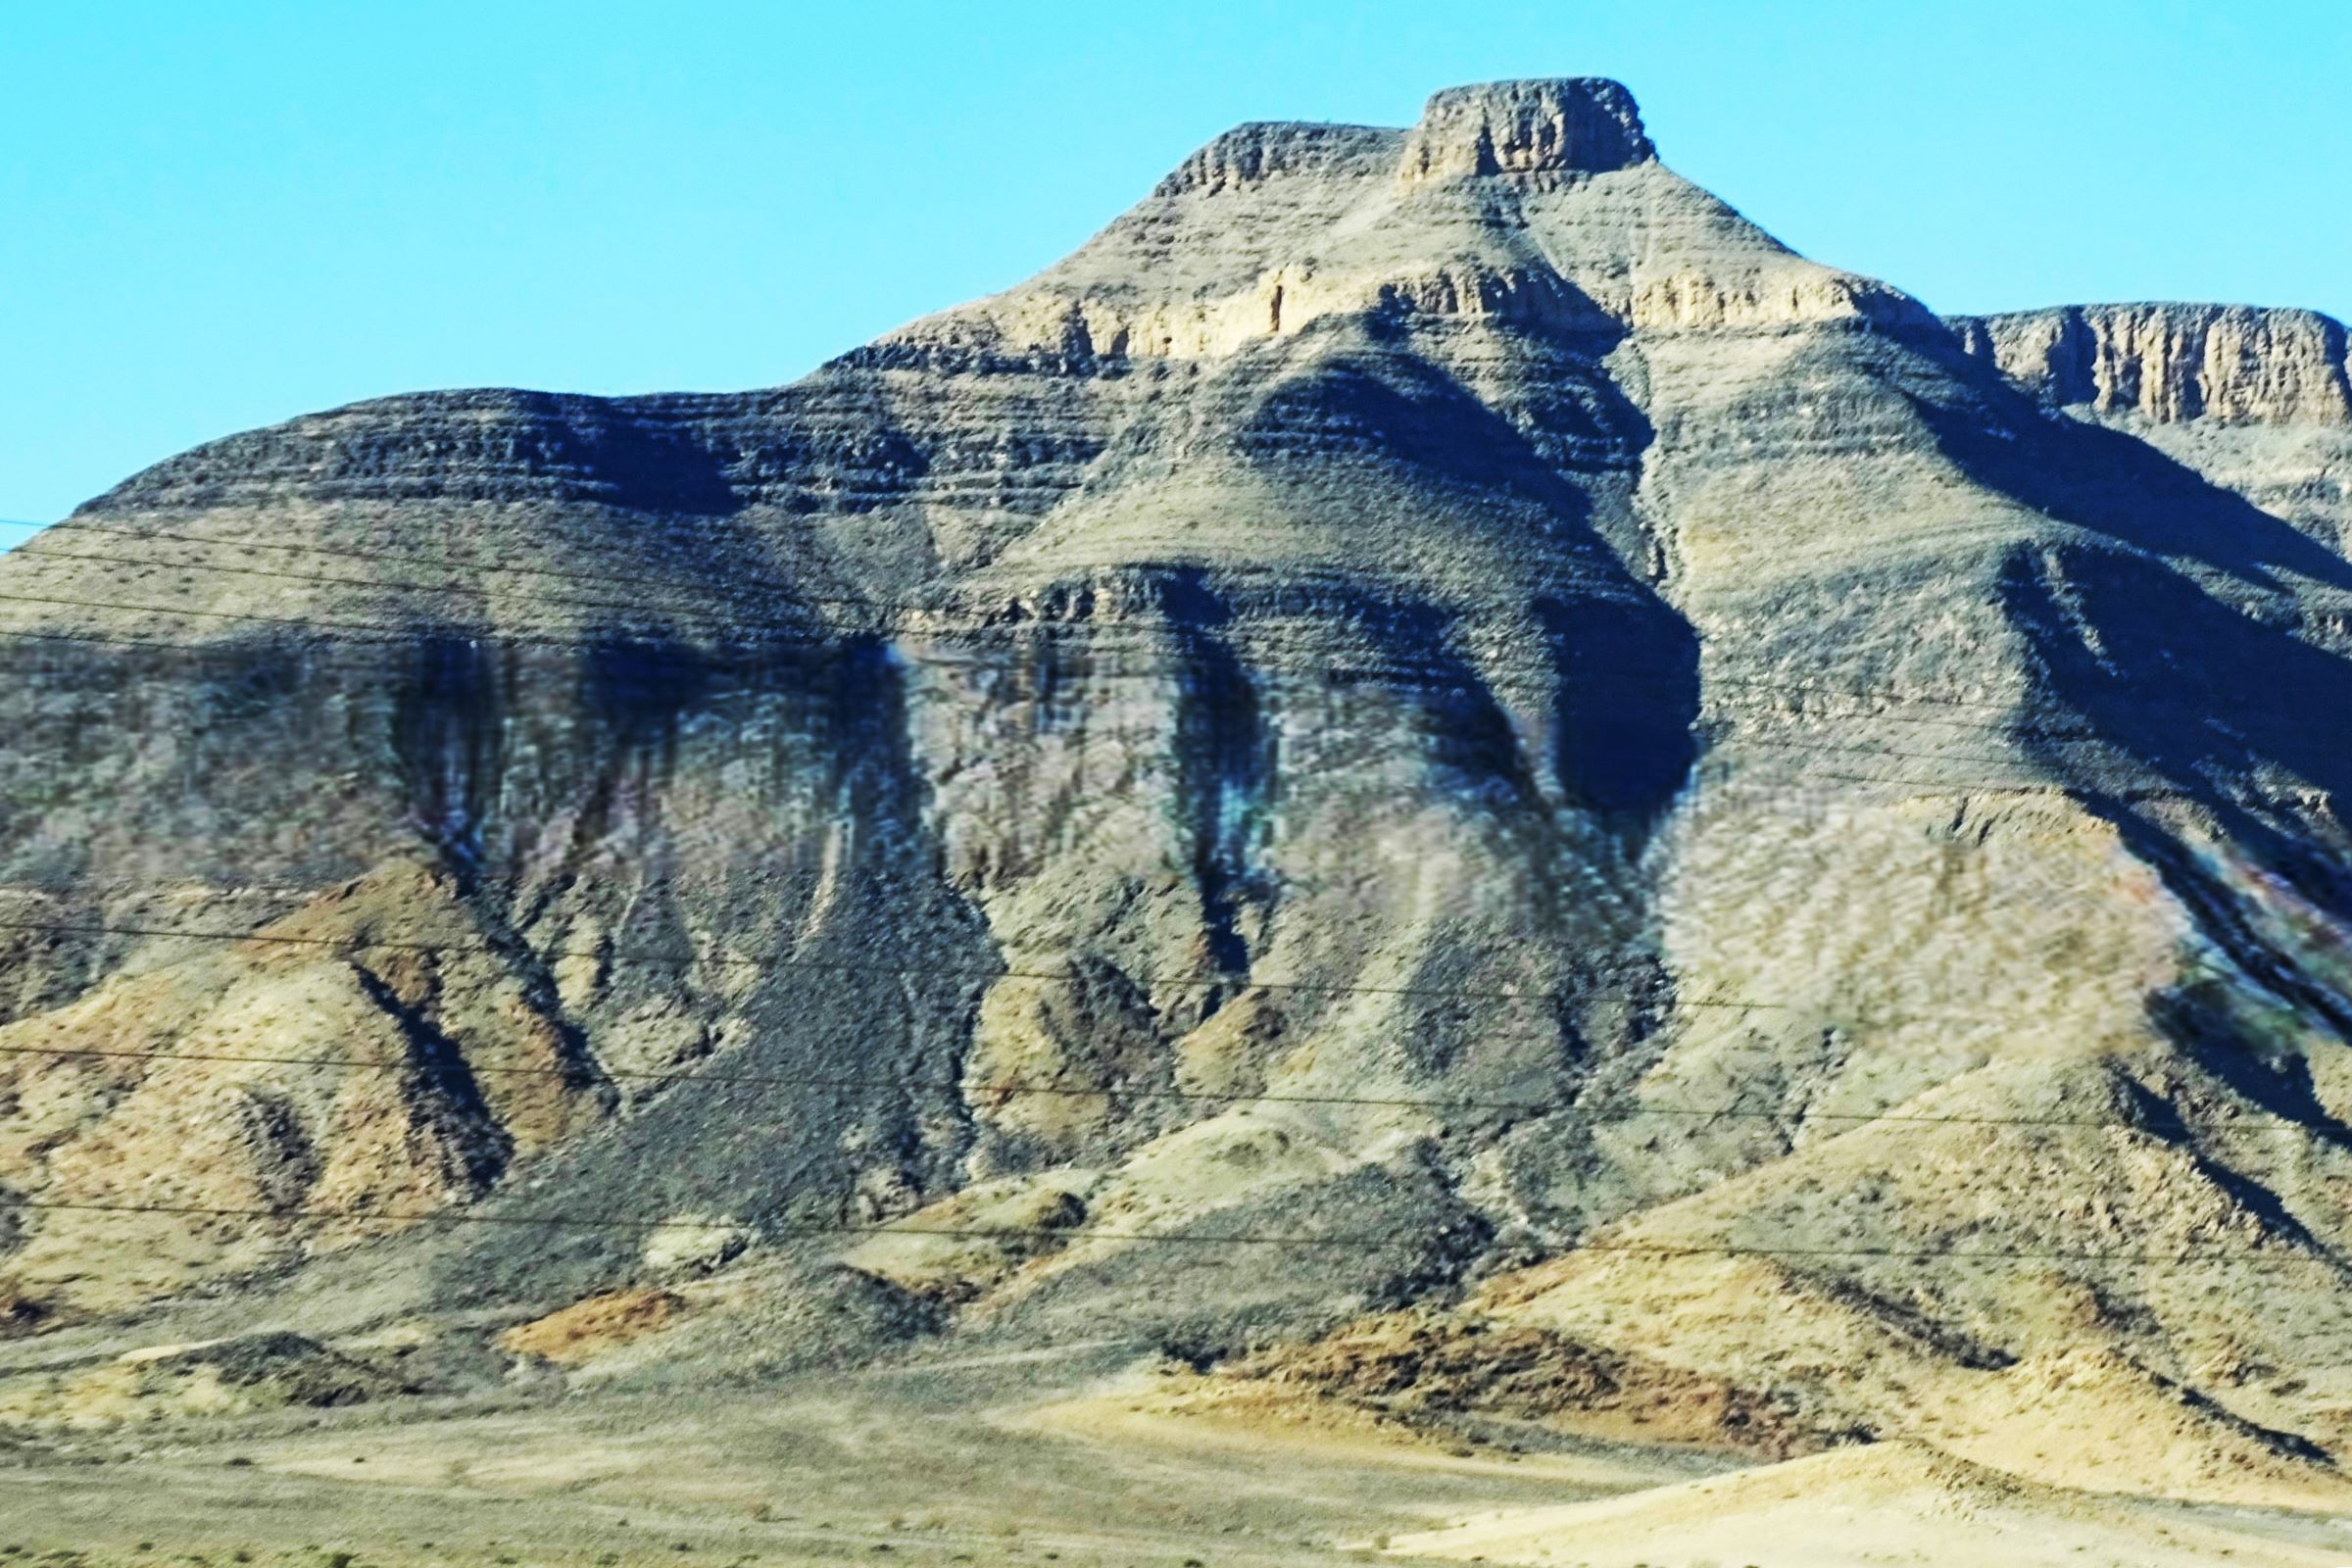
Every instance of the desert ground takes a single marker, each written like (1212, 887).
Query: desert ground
(1018, 1460)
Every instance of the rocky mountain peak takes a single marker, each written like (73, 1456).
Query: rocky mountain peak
(1583, 123)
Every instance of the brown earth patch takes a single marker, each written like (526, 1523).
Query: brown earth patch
(1422, 1369)
(588, 1329)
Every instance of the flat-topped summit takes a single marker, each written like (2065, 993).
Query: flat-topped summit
(1585, 123)
(1568, 124)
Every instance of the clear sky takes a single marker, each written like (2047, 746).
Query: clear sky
(214, 214)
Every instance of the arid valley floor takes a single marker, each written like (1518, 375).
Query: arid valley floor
(932, 1470)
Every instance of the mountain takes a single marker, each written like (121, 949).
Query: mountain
(1616, 829)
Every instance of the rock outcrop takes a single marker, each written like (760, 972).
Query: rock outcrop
(2173, 362)
(1587, 125)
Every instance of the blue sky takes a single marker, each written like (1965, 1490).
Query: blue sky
(214, 215)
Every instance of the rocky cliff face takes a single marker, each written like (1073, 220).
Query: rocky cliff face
(2173, 363)
(1526, 128)
(2254, 400)
(1432, 707)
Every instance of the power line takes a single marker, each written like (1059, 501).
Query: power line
(1145, 979)
(650, 959)
(808, 637)
(832, 966)
(814, 636)
(449, 563)
(804, 629)
(345, 944)
(1398, 676)
(696, 589)
(2018, 763)
(1505, 675)
(870, 605)
(1153, 980)
(1602, 1113)
(1297, 1240)
(1236, 1239)
(699, 587)
(885, 605)
(1403, 676)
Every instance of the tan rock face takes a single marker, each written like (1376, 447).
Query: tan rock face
(1271, 229)
(287, 1074)
(1588, 125)
(2173, 363)
(1250, 155)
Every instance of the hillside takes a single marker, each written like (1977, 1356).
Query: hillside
(1432, 781)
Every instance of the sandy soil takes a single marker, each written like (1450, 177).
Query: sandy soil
(1006, 1463)
(1878, 1506)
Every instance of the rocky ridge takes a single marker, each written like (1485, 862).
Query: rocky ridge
(2173, 362)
